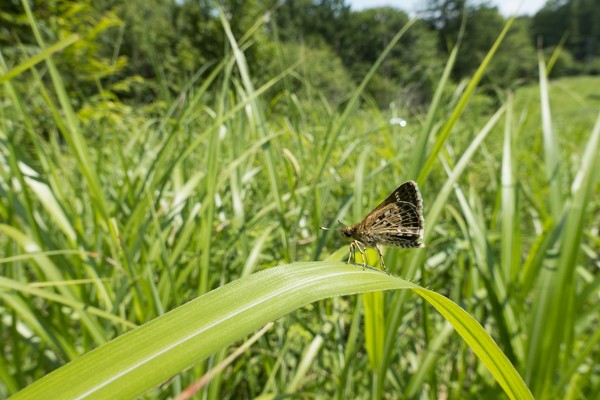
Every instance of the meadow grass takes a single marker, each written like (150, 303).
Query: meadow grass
(110, 223)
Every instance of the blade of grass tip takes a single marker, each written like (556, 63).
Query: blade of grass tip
(559, 48)
(252, 259)
(456, 113)
(350, 351)
(553, 318)
(429, 361)
(481, 343)
(350, 107)
(72, 133)
(581, 190)
(261, 127)
(511, 252)
(44, 54)
(551, 153)
(306, 361)
(428, 128)
(537, 253)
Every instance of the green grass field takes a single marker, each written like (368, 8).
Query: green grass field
(111, 218)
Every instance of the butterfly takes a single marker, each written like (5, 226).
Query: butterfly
(397, 221)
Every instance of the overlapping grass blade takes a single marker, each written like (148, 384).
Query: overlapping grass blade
(41, 56)
(464, 99)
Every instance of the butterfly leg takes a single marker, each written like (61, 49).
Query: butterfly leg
(380, 252)
(363, 253)
(352, 254)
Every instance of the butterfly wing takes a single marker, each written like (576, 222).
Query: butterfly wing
(398, 220)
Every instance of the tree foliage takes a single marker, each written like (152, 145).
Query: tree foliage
(577, 22)
(578, 19)
(165, 43)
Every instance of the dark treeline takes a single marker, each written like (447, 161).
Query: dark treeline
(142, 50)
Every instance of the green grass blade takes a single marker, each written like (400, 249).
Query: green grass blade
(481, 344)
(259, 120)
(41, 56)
(307, 360)
(11, 285)
(351, 106)
(462, 103)
(431, 218)
(441, 199)
(511, 251)
(67, 120)
(147, 356)
(50, 271)
(551, 153)
(430, 121)
(553, 318)
(46, 198)
(417, 380)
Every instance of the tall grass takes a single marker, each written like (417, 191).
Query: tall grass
(106, 226)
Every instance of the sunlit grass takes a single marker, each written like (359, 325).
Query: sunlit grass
(112, 226)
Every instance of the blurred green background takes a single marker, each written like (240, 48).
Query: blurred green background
(153, 151)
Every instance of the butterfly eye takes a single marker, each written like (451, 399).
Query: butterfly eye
(346, 233)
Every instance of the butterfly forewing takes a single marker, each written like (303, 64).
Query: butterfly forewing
(398, 220)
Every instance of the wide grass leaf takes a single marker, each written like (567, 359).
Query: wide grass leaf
(147, 356)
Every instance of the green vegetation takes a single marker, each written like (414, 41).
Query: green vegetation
(189, 207)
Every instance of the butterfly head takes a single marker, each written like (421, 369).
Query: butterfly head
(349, 231)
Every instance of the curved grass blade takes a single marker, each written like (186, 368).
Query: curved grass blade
(145, 357)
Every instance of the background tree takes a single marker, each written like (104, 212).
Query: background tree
(166, 43)
(312, 21)
(578, 19)
(515, 63)
(358, 38)
(407, 73)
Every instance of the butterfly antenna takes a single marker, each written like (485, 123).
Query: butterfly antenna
(333, 229)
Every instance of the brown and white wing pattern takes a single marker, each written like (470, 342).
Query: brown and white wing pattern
(398, 220)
